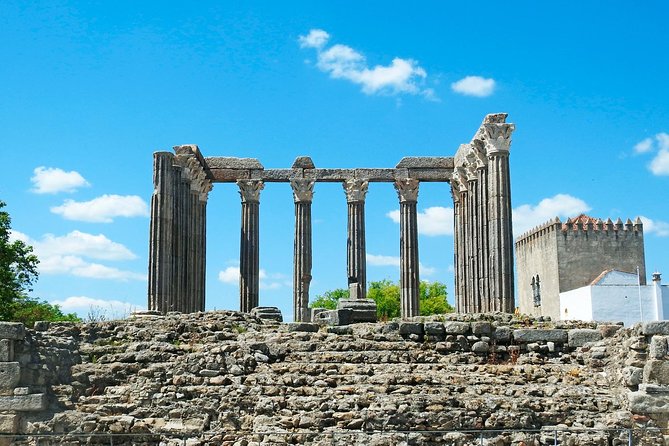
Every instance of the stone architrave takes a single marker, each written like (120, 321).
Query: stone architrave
(249, 252)
(356, 190)
(303, 194)
(407, 192)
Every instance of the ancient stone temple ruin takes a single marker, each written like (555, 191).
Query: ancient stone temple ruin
(480, 189)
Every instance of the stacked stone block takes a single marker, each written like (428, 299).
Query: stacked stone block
(14, 397)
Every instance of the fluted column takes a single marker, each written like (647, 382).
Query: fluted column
(303, 193)
(161, 230)
(249, 253)
(498, 141)
(407, 192)
(356, 189)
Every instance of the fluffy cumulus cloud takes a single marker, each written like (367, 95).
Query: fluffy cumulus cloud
(51, 180)
(433, 221)
(103, 209)
(527, 216)
(657, 227)
(401, 76)
(96, 309)
(474, 86)
(659, 146)
(67, 254)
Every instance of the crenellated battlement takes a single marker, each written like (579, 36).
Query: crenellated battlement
(583, 225)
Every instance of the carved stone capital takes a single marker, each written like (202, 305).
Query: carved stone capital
(479, 152)
(407, 190)
(355, 189)
(249, 190)
(459, 179)
(498, 138)
(303, 190)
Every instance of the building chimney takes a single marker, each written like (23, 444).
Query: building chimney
(657, 278)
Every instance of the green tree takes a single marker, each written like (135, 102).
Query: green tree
(386, 294)
(18, 273)
(329, 299)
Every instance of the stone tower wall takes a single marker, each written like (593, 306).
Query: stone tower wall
(537, 254)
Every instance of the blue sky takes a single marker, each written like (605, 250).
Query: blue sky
(89, 90)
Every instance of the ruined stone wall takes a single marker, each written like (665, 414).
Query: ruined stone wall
(230, 378)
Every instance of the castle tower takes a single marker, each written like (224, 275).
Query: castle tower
(556, 257)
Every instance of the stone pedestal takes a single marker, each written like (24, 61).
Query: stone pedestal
(362, 310)
(249, 252)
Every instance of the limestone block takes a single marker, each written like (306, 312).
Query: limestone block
(342, 316)
(341, 330)
(303, 326)
(502, 334)
(538, 335)
(9, 424)
(481, 328)
(6, 350)
(656, 372)
(23, 403)
(434, 328)
(655, 328)
(426, 162)
(608, 330)
(649, 400)
(364, 310)
(10, 375)
(632, 376)
(225, 162)
(456, 328)
(658, 347)
(12, 330)
(409, 328)
(267, 313)
(579, 337)
(480, 347)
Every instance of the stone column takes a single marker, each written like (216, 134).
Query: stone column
(356, 189)
(161, 232)
(303, 193)
(498, 141)
(249, 259)
(407, 192)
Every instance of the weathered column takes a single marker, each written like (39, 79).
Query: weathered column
(161, 230)
(249, 258)
(457, 241)
(303, 193)
(407, 192)
(356, 189)
(497, 143)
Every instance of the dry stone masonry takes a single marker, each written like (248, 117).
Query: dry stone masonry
(480, 188)
(230, 378)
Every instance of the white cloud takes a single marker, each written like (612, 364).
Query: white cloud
(657, 227)
(381, 260)
(76, 266)
(103, 209)
(644, 146)
(474, 86)
(51, 180)
(83, 244)
(660, 164)
(230, 275)
(526, 216)
(433, 221)
(64, 255)
(315, 39)
(87, 306)
(343, 62)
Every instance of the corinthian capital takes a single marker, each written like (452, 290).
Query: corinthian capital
(498, 138)
(355, 189)
(407, 190)
(303, 190)
(250, 190)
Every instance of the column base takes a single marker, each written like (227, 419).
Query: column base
(267, 313)
(363, 310)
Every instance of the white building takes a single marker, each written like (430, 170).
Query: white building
(617, 296)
